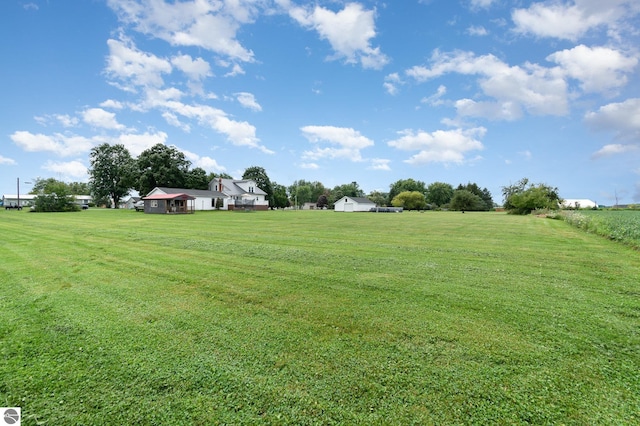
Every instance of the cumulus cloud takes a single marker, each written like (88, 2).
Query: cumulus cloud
(70, 170)
(133, 68)
(380, 164)
(571, 20)
(622, 118)
(599, 69)
(98, 117)
(478, 31)
(512, 89)
(138, 142)
(7, 161)
(391, 83)
(248, 100)
(345, 142)
(349, 32)
(614, 149)
(60, 144)
(207, 163)
(206, 24)
(441, 146)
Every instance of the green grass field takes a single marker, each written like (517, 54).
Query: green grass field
(116, 317)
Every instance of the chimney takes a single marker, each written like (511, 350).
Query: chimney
(219, 184)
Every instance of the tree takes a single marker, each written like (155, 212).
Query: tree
(524, 197)
(349, 190)
(483, 193)
(280, 199)
(409, 200)
(259, 176)
(380, 198)
(111, 172)
(54, 196)
(323, 202)
(160, 165)
(197, 179)
(439, 193)
(466, 200)
(403, 185)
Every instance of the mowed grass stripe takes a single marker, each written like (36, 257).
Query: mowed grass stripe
(317, 318)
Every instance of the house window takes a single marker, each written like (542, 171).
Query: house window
(154, 203)
(251, 189)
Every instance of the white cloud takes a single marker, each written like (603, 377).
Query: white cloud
(441, 146)
(195, 69)
(134, 67)
(599, 69)
(623, 118)
(436, 98)
(206, 163)
(310, 166)
(60, 144)
(7, 161)
(71, 170)
(571, 20)
(247, 100)
(391, 83)
(211, 25)
(479, 31)
(349, 142)
(98, 117)
(614, 149)
(113, 104)
(349, 32)
(483, 4)
(535, 89)
(380, 164)
(136, 143)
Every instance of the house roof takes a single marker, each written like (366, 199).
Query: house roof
(180, 196)
(360, 200)
(202, 193)
(234, 186)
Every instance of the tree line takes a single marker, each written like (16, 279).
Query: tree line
(114, 172)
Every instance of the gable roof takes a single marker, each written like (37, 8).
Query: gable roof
(359, 200)
(200, 193)
(232, 186)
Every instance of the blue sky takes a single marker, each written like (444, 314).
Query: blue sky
(456, 91)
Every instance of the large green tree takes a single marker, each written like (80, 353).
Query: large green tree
(439, 193)
(348, 189)
(484, 194)
(403, 185)
(260, 177)
(380, 198)
(111, 174)
(523, 197)
(53, 196)
(161, 165)
(409, 200)
(303, 191)
(280, 198)
(465, 200)
(197, 179)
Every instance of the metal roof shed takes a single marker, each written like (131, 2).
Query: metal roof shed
(169, 204)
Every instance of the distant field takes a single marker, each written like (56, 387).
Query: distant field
(117, 317)
(618, 225)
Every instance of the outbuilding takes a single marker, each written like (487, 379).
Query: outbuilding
(169, 204)
(353, 204)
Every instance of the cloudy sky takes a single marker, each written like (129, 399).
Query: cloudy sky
(456, 91)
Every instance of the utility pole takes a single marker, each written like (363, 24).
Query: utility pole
(18, 183)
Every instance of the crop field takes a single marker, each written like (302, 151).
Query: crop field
(116, 317)
(618, 225)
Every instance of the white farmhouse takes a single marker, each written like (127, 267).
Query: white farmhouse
(353, 204)
(240, 194)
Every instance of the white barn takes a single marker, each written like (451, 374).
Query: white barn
(353, 204)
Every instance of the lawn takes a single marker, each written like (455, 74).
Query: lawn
(117, 317)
